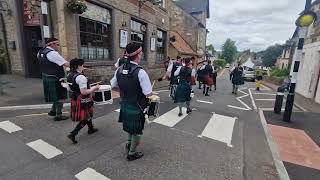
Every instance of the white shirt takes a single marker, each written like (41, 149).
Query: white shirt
(82, 81)
(177, 72)
(144, 80)
(203, 67)
(55, 57)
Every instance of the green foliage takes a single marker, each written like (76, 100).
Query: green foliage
(211, 48)
(77, 6)
(229, 50)
(270, 55)
(220, 63)
(280, 73)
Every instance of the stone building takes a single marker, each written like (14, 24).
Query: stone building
(309, 73)
(99, 35)
(284, 59)
(188, 21)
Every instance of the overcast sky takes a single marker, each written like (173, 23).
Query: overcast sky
(253, 24)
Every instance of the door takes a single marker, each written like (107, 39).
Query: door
(33, 44)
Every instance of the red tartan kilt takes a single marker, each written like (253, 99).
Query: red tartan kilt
(208, 80)
(79, 113)
(193, 81)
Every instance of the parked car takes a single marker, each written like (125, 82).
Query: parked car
(249, 75)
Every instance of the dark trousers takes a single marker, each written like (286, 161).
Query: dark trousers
(57, 108)
(80, 125)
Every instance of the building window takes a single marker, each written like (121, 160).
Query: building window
(138, 34)
(161, 45)
(95, 35)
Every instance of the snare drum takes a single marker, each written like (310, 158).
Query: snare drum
(154, 106)
(103, 95)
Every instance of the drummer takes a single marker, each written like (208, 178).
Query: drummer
(183, 91)
(81, 100)
(135, 87)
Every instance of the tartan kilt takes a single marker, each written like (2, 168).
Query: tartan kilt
(208, 80)
(52, 89)
(132, 118)
(80, 111)
(193, 81)
(182, 93)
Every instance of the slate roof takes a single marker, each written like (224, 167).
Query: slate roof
(194, 6)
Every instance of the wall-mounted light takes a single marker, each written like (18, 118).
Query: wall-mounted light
(124, 24)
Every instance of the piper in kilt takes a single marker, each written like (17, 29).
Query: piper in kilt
(184, 88)
(207, 73)
(81, 100)
(52, 66)
(135, 86)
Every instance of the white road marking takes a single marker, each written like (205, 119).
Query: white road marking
(45, 149)
(220, 128)
(90, 174)
(117, 110)
(239, 99)
(27, 107)
(171, 118)
(9, 126)
(271, 94)
(236, 107)
(265, 99)
(253, 102)
(265, 87)
(206, 102)
(269, 109)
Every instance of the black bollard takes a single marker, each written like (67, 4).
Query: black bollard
(279, 100)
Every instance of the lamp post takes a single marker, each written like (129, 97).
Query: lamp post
(306, 18)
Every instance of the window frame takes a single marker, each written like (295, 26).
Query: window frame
(145, 36)
(164, 41)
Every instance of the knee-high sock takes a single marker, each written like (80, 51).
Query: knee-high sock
(135, 140)
(89, 123)
(180, 107)
(207, 89)
(53, 107)
(129, 138)
(188, 105)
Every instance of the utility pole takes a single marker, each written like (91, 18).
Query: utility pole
(306, 18)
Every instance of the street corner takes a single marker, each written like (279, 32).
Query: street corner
(297, 143)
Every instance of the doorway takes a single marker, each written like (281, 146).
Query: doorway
(33, 43)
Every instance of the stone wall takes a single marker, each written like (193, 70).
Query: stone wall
(13, 34)
(185, 24)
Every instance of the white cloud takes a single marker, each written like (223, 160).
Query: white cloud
(253, 24)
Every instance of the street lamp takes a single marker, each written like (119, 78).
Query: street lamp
(306, 18)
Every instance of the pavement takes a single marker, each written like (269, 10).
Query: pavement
(223, 138)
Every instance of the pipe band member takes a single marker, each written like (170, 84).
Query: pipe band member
(52, 66)
(207, 73)
(184, 88)
(81, 100)
(135, 86)
(170, 74)
(236, 76)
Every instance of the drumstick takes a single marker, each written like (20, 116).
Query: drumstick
(153, 83)
(95, 83)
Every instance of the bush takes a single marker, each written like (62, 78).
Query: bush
(220, 63)
(280, 72)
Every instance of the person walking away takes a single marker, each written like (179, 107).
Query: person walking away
(236, 78)
(52, 66)
(207, 69)
(258, 75)
(184, 89)
(135, 86)
(214, 77)
(81, 100)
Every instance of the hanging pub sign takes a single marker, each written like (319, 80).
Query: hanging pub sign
(31, 12)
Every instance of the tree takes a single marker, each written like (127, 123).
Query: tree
(270, 55)
(229, 50)
(211, 48)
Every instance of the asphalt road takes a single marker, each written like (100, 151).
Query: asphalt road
(221, 139)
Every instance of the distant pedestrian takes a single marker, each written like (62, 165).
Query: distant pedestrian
(236, 76)
(81, 100)
(214, 77)
(52, 66)
(207, 79)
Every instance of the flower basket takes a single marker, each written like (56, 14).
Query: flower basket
(76, 6)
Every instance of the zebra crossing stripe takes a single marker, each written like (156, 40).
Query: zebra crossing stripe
(45, 149)
(9, 126)
(89, 174)
(220, 128)
(171, 118)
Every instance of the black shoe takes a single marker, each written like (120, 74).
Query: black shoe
(52, 113)
(61, 118)
(128, 147)
(207, 95)
(135, 156)
(189, 111)
(232, 92)
(180, 114)
(72, 138)
(93, 130)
